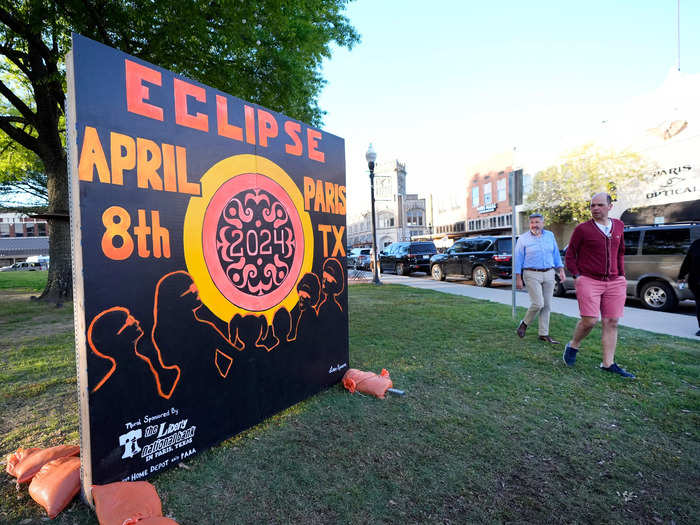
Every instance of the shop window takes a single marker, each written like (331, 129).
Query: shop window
(414, 217)
(386, 222)
(501, 187)
(487, 193)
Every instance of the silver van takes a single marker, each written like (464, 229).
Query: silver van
(653, 257)
(22, 266)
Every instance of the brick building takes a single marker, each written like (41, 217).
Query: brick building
(22, 236)
(21, 225)
(488, 205)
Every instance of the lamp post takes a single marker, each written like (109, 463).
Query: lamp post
(371, 156)
(513, 183)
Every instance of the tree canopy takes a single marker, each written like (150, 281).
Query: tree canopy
(22, 179)
(562, 192)
(268, 52)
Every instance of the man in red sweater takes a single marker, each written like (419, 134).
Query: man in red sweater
(595, 257)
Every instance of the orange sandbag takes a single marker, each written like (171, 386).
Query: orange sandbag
(16, 457)
(155, 520)
(31, 464)
(56, 484)
(126, 502)
(367, 382)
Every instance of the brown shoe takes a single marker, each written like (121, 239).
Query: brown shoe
(521, 329)
(549, 340)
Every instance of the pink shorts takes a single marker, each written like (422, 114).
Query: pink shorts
(601, 298)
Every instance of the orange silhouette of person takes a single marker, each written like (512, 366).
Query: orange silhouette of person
(222, 360)
(305, 312)
(333, 285)
(332, 321)
(175, 323)
(108, 329)
(278, 331)
(248, 331)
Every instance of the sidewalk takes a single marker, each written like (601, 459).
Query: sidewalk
(677, 325)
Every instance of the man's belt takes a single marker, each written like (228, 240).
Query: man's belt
(538, 269)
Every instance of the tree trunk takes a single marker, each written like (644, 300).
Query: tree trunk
(59, 287)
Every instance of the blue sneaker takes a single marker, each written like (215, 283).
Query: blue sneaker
(614, 368)
(570, 355)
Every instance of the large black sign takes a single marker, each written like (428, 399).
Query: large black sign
(208, 238)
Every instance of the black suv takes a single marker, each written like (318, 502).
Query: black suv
(479, 258)
(406, 257)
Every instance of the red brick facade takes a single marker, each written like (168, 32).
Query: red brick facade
(493, 213)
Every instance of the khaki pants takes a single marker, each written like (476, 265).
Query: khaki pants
(540, 286)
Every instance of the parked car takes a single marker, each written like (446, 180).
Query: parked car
(653, 257)
(22, 266)
(359, 258)
(43, 260)
(479, 258)
(407, 257)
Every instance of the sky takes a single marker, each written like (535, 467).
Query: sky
(444, 85)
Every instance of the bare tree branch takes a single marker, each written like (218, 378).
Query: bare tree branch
(13, 118)
(34, 191)
(17, 58)
(17, 102)
(18, 135)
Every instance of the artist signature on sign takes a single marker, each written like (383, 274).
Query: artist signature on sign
(337, 367)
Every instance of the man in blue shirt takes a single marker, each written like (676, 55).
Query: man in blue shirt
(536, 258)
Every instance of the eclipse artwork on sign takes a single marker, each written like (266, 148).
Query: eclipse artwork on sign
(209, 262)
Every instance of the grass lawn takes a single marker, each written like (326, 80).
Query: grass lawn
(492, 428)
(23, 281)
